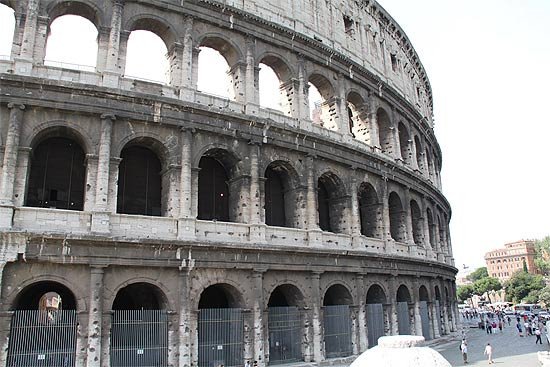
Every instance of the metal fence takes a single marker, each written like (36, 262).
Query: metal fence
(285, 330)
(139, 338)
(403, 319)
(375, 323)
(42, 339)
(425, 318)
(221, 337)
(337, 322)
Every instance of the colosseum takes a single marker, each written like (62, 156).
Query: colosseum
(148, 223)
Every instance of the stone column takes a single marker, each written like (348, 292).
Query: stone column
(102, 48)
(185, 330)
(257, 228)
(317, 318)
(427, 243)
(17, 34)
(394, 326)
(258, 310)
(291, 100)
(361, 314)
(252, 92)
(303, 101)
(355, 213)
(187, 86)
(42, 26)
(95, 318)
(314, 233)
(113, 71)
(408, 219)
(386, 235)
(114, 162)
(100, 216)
(436, 318)
(344, 123)
(23, 163)
(186, 221)
(11, 148)
(374, 130)
(238, 80)
(452, 302)
(176, 64)
(446, 325)
(29, 35)
(417, 317)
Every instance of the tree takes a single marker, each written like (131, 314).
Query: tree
(486, 284)
(542, 255)
(544, 296)
(464, 292)
(521, 284)
(477, 274)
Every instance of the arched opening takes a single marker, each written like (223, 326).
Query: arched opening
(397, 218)
(330, 205)
(404, 143)
(285, 325)
(322, 106)
(337, 321)
(376, 315)
(385, 132)
(139, 182)
(425, 318)
(275, 88)
(139, 327)
(357, 113)
(418, 148)
(147, 57)
(430, 164)
(220, 324)
(417, 223)
(431, 229)
(76, 33)
(7, 19)
(215, 73)
(43, 326)
(213, 190)
(403, 298)
(370, 211)
(57, 173)
(276, 200)
(442, 235)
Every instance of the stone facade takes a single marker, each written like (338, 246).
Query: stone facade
(368, 174)
(502, 263)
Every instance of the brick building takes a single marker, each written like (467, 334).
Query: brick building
(503, 262)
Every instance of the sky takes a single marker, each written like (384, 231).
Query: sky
(488, 63)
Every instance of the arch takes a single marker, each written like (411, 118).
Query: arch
(156, 25)
(337, 294)
(147, 48)
(82, 8)
(385, 131)
(397, 218)
(29, 297)
(139, 181)
(228, 49)
(370, 211)
(404, 143)
(280, 66)
(286, 295)
(140, 296)
(221, 295)
(403, 294)
(271, 94)
(376, 294)
(7, 15)
(423, 294)
(437, 293)
(82, 40)
(431, 229)
(429, 163)
(417, 223)
(321, 102)
(57, 174)
(279, 189)
(357, 113)
(59, 128)
(148, 140)
(330, 191)
(442, 235)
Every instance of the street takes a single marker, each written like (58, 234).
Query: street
(509, 350)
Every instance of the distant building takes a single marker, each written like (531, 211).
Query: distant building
(503, 262)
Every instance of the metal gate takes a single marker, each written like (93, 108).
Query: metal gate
(337, 321)
(139, 338)
(438, 317)
(425, 318)
(42, 339)
(285, 330)
(221, 337)
(375, 323)
(403, 320)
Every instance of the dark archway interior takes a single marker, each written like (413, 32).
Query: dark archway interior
(323, 202)
(376, 294)
(337, 295)
(138, 296)
(396, 218)
(285, 295)
(417, 223)
(403, 294)
(213, 190)
(423, 294)
(57, 175)
(437, 293)
(220, 296)
(368, 210)
(275, 214)
(139, 182)
(29, 299)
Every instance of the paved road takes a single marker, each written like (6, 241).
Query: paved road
(509, 350)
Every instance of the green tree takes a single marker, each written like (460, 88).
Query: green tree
(544, 296)
(486, 284)
(542, 255)
(463, 292)
(521, 284)
(477, 274)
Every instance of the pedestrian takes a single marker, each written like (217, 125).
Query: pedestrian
(489, 353)
(247, 363)
(537, 333)
(500, 325)
(520, 331)
(508, 317)
(464, 351)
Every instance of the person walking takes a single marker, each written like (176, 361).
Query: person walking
(537, 334)
(464, 351)
(489, 353)
(520, 330)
